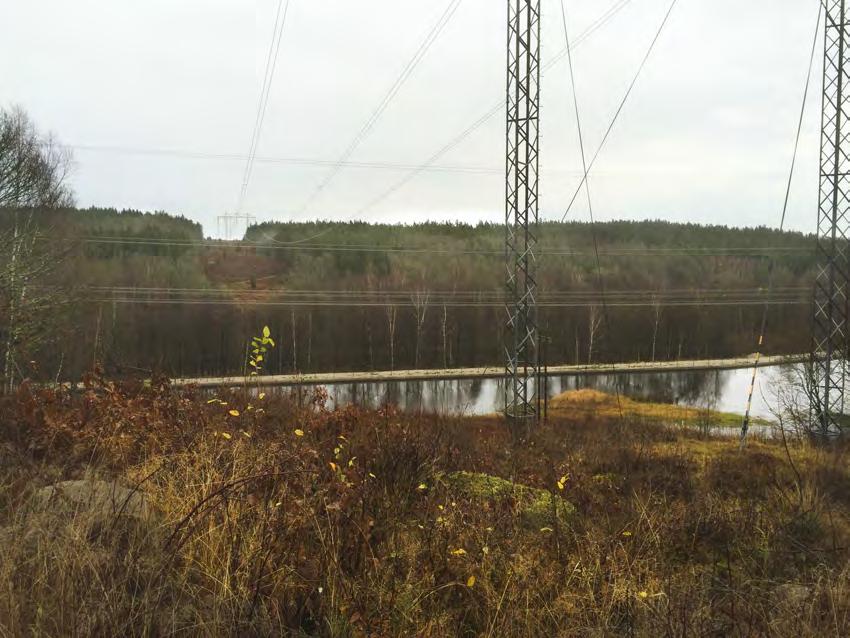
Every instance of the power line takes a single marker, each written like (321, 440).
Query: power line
(492, 292)
(385, 102)
(479, 298)
(496, 108)
(268, 77)
(365, 248)
(745, 424)
(599, 279)
(437, 296)
(448, 304)
(591, 29)
(413, 169)
(298, 161)
(620, 107)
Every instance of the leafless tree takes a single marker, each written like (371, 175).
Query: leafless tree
(594, 320)
(309, 340)
(33, 168)
(33, 176)
(293, 322)
(657, 311)
(392, 314)
(445, 333)
(796, 398)
(420, 301)
(388, 286)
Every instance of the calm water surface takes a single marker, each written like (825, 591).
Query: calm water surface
(721, 390)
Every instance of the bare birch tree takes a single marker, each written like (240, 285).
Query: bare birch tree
(33, 175)
(594, 320)
(392, 314)
(445, 333)
(420, 301)
(657, 312)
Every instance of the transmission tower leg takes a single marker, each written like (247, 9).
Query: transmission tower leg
(521, 210)
(830, 326)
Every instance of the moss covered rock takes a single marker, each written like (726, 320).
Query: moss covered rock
(536, 508)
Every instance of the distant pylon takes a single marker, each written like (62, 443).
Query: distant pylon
(830, 326)
(521, 210)
(228, 224)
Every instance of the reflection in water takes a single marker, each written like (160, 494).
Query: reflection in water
(722, 390)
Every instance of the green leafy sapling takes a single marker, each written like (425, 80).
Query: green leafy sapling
(259, 348)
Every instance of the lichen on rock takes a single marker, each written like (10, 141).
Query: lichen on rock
(537, 508)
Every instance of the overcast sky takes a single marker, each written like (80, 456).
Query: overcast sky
(706, 136)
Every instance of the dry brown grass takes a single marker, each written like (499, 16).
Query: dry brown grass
(588, 402)
(353, 530)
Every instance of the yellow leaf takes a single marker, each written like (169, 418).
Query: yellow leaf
(459, 552)
(643, 594)
(299, 432)
(246, 434)
(422, 486)
(560, 485)
(234, 413)
(485, 550)
(627, 534)
(333, 466)
(372, 475)
(262, 396)
(266, 332)
(546, 529)
(226, 435)
(470, 582)
(212, 401)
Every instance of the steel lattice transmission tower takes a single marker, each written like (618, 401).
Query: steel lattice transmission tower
(830, 327)
(521, 210)
(229, 224)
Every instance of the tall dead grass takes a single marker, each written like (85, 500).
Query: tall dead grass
(287, 521)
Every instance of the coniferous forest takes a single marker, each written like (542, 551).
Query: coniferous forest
(138, 293)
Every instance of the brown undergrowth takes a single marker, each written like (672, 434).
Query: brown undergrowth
(270, 519)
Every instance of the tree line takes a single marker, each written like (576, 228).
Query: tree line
(138, 293)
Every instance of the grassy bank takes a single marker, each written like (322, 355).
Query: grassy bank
(588, 403)
(260, 518)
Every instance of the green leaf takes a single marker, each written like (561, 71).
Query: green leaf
(266, 332)
(271, 341)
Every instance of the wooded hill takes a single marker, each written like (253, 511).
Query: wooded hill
(351, 296)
